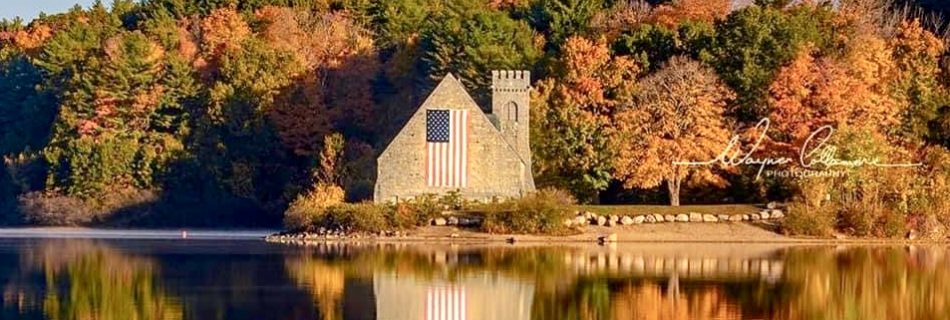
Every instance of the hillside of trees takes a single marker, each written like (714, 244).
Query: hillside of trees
(222, 112)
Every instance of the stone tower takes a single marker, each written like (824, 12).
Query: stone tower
(511, 94)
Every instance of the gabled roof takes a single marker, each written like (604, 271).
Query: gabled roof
(450, 82)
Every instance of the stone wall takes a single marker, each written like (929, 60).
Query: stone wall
(495, 169)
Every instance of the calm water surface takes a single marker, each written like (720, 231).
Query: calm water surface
(57, 278)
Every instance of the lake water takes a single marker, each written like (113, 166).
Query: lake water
(238, 278)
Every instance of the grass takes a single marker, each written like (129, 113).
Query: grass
(664, 210)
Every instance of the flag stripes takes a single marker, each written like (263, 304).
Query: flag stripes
(445, 303)
(447, 148)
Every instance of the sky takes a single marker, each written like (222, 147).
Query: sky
(29, 9)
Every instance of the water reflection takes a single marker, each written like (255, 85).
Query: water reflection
(83, 280)
(663, 281)
(86, 279)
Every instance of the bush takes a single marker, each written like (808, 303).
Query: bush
(310, 207)
(809, 221)
(50, 209)
(416, 212)
(359, 217)
(542, 212)
(119, 207)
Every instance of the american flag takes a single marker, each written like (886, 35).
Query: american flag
(446, 303)
(447, 148)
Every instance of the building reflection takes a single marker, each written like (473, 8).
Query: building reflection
(468, 296)
(531, 283)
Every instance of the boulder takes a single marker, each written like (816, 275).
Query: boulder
(695, 217)
(723, 217)
(776, 214)
(568, 222)
(602, 221)
(658, 217)
(580, 220)
(772, 205)
(650, 218)
(764, 214)
(639, 219)
(745, 217)
(710, 218)
(614, 219)
(735, 218)
(682, 217)
(452, 221)
(626, 221)
(670, 218)
(439, 221)
(754, 216)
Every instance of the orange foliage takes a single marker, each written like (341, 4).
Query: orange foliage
(673, 13)
(678, 116)
(336, 91)
(591, 74)
(29, 39)
(913, 44)
(852, 90)
(223, 30)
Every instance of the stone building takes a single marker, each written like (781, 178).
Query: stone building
(449, 144)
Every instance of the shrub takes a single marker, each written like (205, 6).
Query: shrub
(416, 212)
(310, 207)
(542, 212)
(360, 217)
(810, 221)
(810, 212)
(50, 209)
(118, 207)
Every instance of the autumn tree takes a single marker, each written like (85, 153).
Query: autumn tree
(678, 115)
(917, 54)
(852, 90)
(223, 30)
(575, 115)
(672, 13)
(335, 92)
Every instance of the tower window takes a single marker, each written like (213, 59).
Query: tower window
(512, 109)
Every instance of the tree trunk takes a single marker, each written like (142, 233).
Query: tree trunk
(674, 186)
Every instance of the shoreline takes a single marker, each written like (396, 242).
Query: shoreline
(712, 233)
(708, 233)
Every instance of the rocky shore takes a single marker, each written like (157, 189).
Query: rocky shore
(590, 226)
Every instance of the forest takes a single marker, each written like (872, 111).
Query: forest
(222, 112)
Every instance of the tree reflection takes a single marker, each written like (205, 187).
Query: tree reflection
(798, 282)
(88, 280)
(324, 281)
(867, 283)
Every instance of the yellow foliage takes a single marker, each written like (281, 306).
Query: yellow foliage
(677, 116)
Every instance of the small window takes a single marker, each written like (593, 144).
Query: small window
(512, 109)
